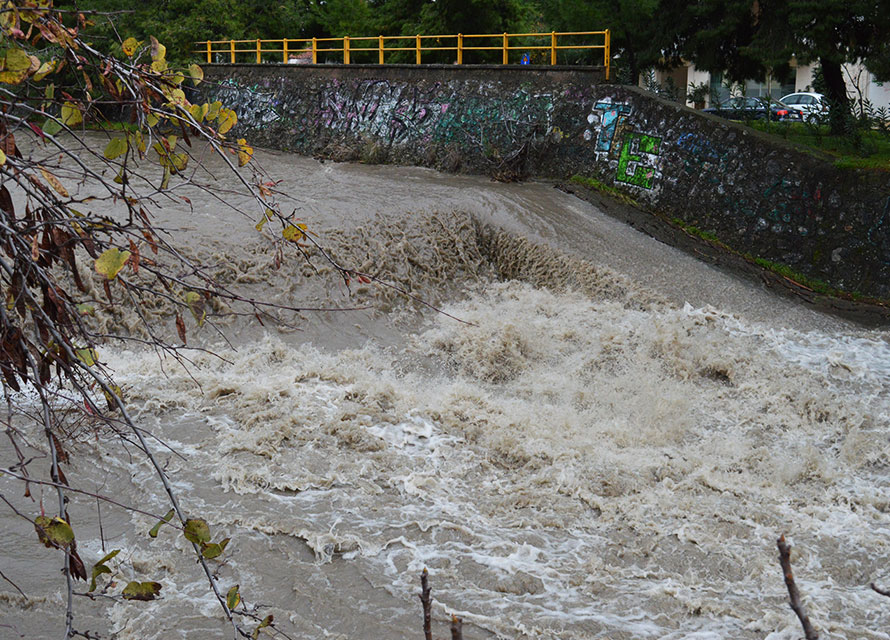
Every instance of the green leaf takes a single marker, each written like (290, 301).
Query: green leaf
(197, 530)
(86, 309)
(71, 115)
(155, 529)
(51, 126)
(233, 598)
(99, 568)
(214, 549)
(151, 119)
(116, 148)
(265, 623)
(111, 262)
(141, 591)
(53, 532)
(88, 356)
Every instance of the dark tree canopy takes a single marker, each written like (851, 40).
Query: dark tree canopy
(748, 39)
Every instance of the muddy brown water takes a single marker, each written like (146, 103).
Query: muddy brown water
(607, 446)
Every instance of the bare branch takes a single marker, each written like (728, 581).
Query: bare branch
(796, 605)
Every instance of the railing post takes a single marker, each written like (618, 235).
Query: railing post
(259, 51)
(284, 50)
(608, 52)
(232, 50)
(345, 49)
(417, 48)
(552, 48)
(380, 49)
(314, 50)
(209, 52)
(460, 48)
(506, 51)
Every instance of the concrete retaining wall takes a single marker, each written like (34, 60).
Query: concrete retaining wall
(756, 194)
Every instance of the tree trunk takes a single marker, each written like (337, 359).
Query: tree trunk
(839, 117)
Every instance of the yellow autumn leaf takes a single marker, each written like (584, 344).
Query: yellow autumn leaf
(197, 74)
(294, 233)
(2, 158)
(71, 116)
(88, 356)
(129, 46)
(111, 262)
(44, 70)
(245, 152)
(54, 183)
(227, 119)
(269, 215)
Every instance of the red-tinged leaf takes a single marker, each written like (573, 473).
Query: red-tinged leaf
(134, 257)
(107, 291)
(61, 455)
(259, 319)
(186, 200)
(6, 204)
(363, 279)
(75, 565)
(88, 408)
(37, 130)
(62, 479)
(151, 241)
(180, 327)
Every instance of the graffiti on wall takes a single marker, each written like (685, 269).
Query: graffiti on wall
(255, 108)
(631, 167)
(397, 114)
(634, 154)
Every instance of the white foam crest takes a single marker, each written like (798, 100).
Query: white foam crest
(565, 467)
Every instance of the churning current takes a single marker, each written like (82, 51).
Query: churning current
(604, 444)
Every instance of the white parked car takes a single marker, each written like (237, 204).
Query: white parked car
(813, 105)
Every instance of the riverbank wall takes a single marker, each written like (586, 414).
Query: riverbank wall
(787, 208)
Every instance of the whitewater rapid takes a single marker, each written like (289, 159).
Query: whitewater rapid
(606, 444)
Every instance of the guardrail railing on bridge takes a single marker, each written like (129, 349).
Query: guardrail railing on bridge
(358, 48)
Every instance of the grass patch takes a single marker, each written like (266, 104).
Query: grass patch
(863, 149)
(98, 125)
(707, 236)
(602, 187)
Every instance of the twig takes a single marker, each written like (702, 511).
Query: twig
(13, 584)
(97, 496)
(427, 602)
(457, 628)
(877, 589)
(793, 593)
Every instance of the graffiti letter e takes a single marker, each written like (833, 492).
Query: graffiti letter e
(642, 174)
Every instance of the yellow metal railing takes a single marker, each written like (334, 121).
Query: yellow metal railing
(308, 49)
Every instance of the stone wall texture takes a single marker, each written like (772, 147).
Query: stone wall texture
(755, 193)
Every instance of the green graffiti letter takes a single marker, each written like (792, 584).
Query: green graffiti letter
(642, 175)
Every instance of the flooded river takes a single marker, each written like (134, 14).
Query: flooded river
(605, 445)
